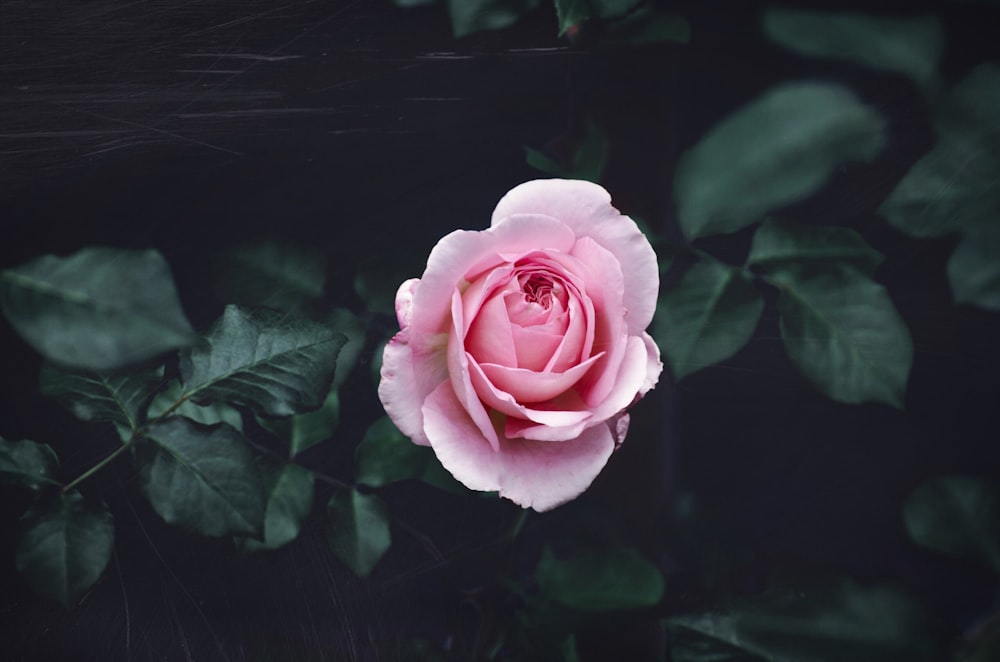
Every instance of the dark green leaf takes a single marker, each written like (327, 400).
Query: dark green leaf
(210, 414)
(379, 277)
(908, 46)
(275, 274)
(98, 309)
(707, 317)
(958, 515)
(648, 25)
(290, 491)
(840, 621)
(974, 267)
(953, 187)
(575, 12)
(779, 243)
(359, 531)
(349, 324)
(27, 463)
(64, 547)
(600, 581)
(587, 162)
(202, 478)
(385, 456)
(469, 16)
(118, 397)
(774, 151)
(272, 363)
(303, 431)
(843, 333)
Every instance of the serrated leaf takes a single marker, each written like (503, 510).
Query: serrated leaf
(98, 309)
(836, 621)
(843, 333)
(359, 532)
(575, 12)
(617, 578)
(974, 268)
(957, 515)
(272, 363)
(274, 274)
(303, 431)
(909, 46)
(27, 463)
(201, 477)
(385, 455)
(707, 317)
(64, 547)
(290, 490)
(209, 414)
(778, 243)
(118, 397)
(776, 150)
(470, 16)
(953, 187)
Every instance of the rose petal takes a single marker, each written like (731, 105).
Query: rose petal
(528, 386)
(557, 417)
(586, 208)
(398, 389)
(404, 301)
(535, 474)
(458, 371)
(490, 337)
(534, 345)
(654, 366)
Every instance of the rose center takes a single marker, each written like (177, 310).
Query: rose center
(538, 289)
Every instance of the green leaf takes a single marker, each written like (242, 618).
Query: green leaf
(210, 414)
(838, 621)
(707, 317)
(274, 274)
(588, 160)
(974, 267)
(290, 491)
(275, 364)
(618, 578)
(909, 46)
(386, 456)
(359, 531)
(118, 397)
(778, 243)
(774, 151)
(647, 25)
(957, 515)
(303, 431)
(27, 463)
(64, 547)
(575, 12)
(469, 16)
(202, 478)
(843, 333)
(98, 309)
(379, 277)
(953, 187)
(353, 327)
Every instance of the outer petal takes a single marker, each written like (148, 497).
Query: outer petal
(586, 208)
(536, 474)
(398, 389)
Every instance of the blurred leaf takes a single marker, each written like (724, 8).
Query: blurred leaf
(778, 243)
(379, 277)
(359, 531)
(64, 547)
(386, 456)
(27, 463)
(303, 431)
(290, 490)
(469, 16)
(413, 3)
(957, 515)
(102, 396)
(275, 364)
(346, 322)
(687, 645)
(974, 267)
(210, 414)
(707, 317)
(953, 187)
(909, 46)
(600, 580)
(775, 150)
(648, 25)
(98, 309)
(275, 274)
(816, 623)
(202, 478)
(588, 160)
(575, 12)
(843, 333)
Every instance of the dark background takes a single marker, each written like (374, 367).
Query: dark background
(369, 130)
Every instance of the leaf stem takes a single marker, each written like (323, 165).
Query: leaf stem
(100, 465)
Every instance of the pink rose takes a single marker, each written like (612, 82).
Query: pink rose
(522, 346)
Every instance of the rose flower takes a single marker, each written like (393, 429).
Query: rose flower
(522, 346)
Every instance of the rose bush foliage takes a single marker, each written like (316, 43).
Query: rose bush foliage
(522, 346)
